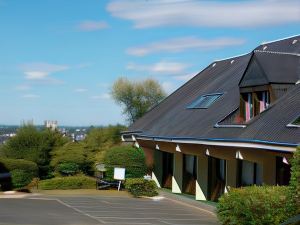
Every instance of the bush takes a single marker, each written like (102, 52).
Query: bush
(127, 157)
(141, 187)
(255, 205)
(22, 171)
(20, 178)
(63, 183)
(69, 157)
(295, 179)
(68, 168)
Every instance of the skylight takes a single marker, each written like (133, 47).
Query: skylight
(295, 123)
(204, 101)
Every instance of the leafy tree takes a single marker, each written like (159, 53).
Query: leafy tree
(33, 145)
(72, 157)
(137, 97)
(100, 139)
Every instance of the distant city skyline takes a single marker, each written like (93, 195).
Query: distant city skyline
(58, 59)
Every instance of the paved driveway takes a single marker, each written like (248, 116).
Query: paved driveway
(101, 210)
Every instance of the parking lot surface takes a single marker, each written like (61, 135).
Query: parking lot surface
(84, 210)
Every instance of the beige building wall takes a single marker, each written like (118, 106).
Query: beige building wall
(264, 157)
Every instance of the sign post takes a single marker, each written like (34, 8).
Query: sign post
(119, 174)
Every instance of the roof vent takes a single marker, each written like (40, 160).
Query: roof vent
(214, 64)
(265, 47)
(294, 41)
(232, 61)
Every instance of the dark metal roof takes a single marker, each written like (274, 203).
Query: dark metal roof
(171, 117)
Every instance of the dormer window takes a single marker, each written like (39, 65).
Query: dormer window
(253, 103)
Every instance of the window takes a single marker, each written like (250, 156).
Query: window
(204, 101)
(254, 103)
(295, 123)
(249, 173)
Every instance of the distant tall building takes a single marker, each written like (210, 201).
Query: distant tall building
(51, 124)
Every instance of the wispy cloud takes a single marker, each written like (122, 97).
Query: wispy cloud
(81, 90)
(162, 67)
(104, 96)
(252, 13)
(185, 43)
(91, 25)
(30, 96)
(185, 77)
(41, 71)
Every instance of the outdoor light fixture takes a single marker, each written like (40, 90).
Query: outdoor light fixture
(284, 160)
(178, 148)
(157, 147)
(238, 155)
(207, 152)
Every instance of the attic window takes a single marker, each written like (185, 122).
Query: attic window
(204, 101)
(295, 123)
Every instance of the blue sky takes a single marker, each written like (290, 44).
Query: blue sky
(58, 59)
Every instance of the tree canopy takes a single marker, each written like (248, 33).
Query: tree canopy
(137, 97)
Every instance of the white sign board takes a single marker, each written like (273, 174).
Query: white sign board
(119, 173)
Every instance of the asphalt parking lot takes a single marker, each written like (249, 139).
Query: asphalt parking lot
(100, 210)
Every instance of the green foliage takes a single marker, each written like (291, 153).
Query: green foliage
(33, 145)
(255, 205)
(22, 171)
(126, 157)
(295, 178)
(137, 97)
(68, 168)
(72, 154)
(141, 187)
(72, 182)
(100, 139)
(20, 178)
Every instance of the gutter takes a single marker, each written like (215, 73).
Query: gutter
(246, 143)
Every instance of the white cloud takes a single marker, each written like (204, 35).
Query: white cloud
(30, 96)
(185, 43)
(41, 71)
(80, 90)
(92, 25)
(101, 97)
(185, 77)
(252, 13)
(162, 67)
(169, 87)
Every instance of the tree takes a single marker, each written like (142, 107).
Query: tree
(33, 145)
(137, 97)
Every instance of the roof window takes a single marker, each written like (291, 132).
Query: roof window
(294, 41)
(204, 101)
(295, 123)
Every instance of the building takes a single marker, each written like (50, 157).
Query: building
(51, 124)
(236, 123)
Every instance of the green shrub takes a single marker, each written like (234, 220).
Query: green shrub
(68, 168)
(295, 179)
(141, 187)
(20, 178)
(255, 205)
(127, 157)
(73, 155)
(22, 171)
(74, 182)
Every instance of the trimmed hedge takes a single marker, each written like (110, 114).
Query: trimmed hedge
(141, 187)
(63, 183)
(255, 205)
(127, 157)
(22, 171)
